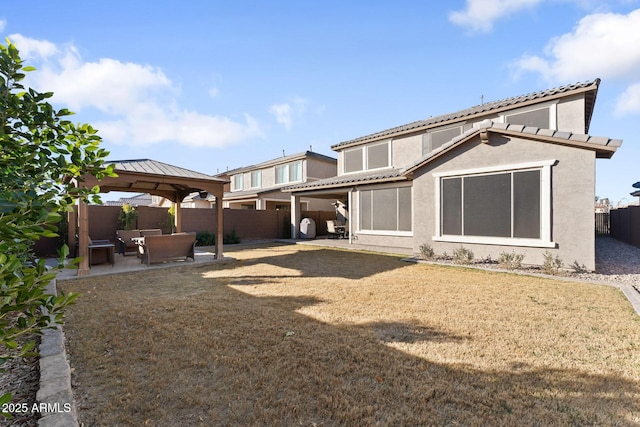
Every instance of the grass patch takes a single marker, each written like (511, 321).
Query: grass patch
(301, 335)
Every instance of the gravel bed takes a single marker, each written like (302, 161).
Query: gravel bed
(617, 264)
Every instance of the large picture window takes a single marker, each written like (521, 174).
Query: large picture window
(491, 206)
(386, 210)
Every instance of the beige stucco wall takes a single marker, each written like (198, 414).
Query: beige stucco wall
(406, 150)
(572, 195)
(570, 114)
(318, 169)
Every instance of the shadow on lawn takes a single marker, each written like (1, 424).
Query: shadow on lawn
(223, 357)
(305, 261)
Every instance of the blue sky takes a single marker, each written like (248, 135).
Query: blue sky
(223, 84)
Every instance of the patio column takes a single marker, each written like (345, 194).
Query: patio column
(295, 216)
(83, 238)
(219, 226)
(178, 217)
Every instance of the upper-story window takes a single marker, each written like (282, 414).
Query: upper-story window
(437, 137)
(538, 117)
(372, 156)
(290, 172)
(236, 180)
(256, 179)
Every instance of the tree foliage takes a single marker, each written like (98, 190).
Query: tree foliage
(42, 157)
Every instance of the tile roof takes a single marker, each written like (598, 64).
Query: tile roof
(350, 179)
(603, 146)
(486, 108)
(155, 167)
(280, 160)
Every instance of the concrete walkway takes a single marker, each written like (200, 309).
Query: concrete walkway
(130, 263)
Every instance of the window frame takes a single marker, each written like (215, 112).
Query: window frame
(553, 113)
(287, 173)
(364, 152)
(398, 207)
(545, 205)
(235, 179)
(258, 174)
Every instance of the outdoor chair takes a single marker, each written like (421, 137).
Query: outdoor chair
(335, 231)
(125, 244)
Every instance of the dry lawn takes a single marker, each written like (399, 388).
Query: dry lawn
(300, 335)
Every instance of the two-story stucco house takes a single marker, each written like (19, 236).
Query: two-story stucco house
(515, 175)
(260, 186)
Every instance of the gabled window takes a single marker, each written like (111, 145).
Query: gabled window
(256, 179)
(289, 172)
(509, 206)
(537, 118)
(436, 138)
(369, 157)
(236, 180)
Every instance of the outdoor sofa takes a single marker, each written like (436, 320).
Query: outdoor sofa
(125, 242)
(167, 247)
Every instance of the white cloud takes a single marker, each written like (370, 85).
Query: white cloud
(213, 92)
(629, 101)
(31, 49)
(285, 112)
(603, 45)
(3, 24)
(138, 103)
(480, 15)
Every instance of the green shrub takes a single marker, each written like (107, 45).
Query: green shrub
(552, 265)
(426, 251)
(511, 261)
(205, 238)
(231, 238)
(127, 217)
(577, 268)
(462, 255)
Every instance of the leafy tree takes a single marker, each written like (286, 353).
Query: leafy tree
(41, 155)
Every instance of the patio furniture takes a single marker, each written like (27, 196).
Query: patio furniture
(125, 242)
(105, 245)
(150, 232)
(335, 231)
(166, 247)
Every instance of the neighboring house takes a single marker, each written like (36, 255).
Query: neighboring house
(143, 199)
(516, 175)
(193, 200)
(259, 186)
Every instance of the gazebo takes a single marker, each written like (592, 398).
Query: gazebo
(149, 176)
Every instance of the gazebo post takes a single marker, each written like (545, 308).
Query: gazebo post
(83, 238)
(178, 216)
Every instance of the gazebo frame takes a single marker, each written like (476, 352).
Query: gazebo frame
(156, 178)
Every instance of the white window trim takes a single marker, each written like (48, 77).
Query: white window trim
(287, 175)
(259, 171)
(233, 180)
(551, 105)
(384, 232)
(365, 148)
(545, 206)
(438, 129)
